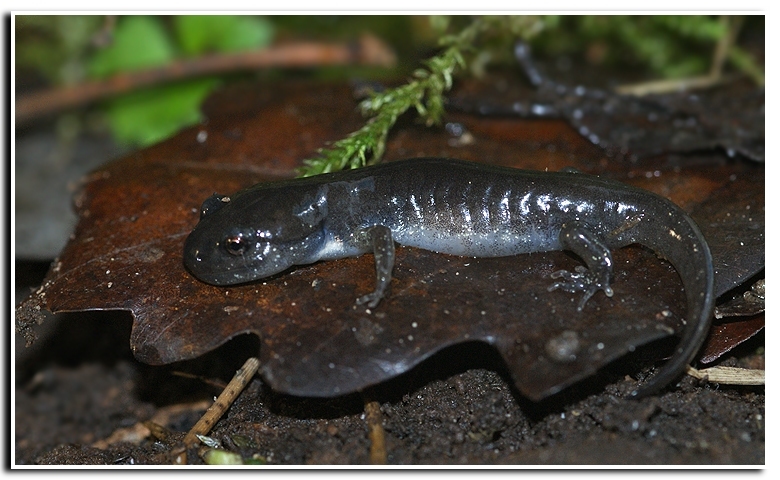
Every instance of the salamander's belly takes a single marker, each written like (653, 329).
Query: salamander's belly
(479, 216)
(499, 242)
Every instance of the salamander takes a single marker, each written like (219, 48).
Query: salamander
(460, 208)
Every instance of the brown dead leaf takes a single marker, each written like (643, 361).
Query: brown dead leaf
(126, 254)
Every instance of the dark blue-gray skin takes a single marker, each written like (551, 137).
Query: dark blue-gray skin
(459, 208)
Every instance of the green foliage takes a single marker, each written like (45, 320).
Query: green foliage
(151, 115)
(697, 27)
(670, 46)
(223, 33)
(139, 42)
(659, 42)
(63, 48)
(145, 117)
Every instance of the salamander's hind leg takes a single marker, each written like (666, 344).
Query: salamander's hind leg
(596, 255)
(380, 238)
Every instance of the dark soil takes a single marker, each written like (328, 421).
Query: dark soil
(79, 384)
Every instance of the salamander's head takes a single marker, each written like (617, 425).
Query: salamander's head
(255, 233)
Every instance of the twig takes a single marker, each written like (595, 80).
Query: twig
(671, 85)
(729, 375)
(376, 433)
(224, 401)
(368, 51)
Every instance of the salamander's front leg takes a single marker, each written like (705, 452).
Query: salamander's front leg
(597, 257)
(381, 240)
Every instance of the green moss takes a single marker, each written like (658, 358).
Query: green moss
(424, 92)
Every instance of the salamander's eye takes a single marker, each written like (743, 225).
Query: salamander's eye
(235, 244)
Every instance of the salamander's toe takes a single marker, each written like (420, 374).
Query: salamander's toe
(581, 280)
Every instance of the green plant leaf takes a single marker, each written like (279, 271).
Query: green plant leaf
(148, 116)
(198, 34)
(139, 42)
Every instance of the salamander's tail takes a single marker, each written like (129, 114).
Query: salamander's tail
(686, 249)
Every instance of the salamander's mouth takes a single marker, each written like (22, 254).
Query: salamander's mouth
(218, 277)
(214, 274)
(217, 272)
